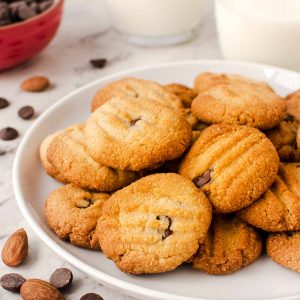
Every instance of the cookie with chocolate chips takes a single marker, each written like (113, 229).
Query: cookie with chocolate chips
(134, 134)
(233, 165)
(155, 224)
(230, 245)
(72, 213)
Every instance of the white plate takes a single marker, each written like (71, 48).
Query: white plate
(261, 280)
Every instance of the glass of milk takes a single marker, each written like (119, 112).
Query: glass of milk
(156, 22)
(265, 31)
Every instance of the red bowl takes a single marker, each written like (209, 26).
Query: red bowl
(22, 41)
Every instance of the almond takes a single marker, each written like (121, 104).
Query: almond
(35, 84)
(37, 289)
(15, 249)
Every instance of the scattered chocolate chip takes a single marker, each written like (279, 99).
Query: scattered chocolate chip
(12, 282)
(298, 166)
(200, 181)
(133, 122)
(2, 153)
(61, 278)
(91, 296)
(289, 117)
(3, 103)
(98, 63)
(26, 112)
(8, 133)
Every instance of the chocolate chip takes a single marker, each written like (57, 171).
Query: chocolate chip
(298, 166)
(61, 278)
(26, 112)
(91, 296)
(98, 63)
(26, 12)
(167, 233)
(12, 282)
(289, 117)
(2, 152)
(4, 14)
(133, 122)
(8, 133)
(3, 103)
(45, 5)
(84, 203)
(200, 181)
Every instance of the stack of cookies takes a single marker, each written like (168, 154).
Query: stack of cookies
(159, 176)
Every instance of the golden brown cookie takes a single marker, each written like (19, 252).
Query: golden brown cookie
(241, 102)
(68, 154)
(234, 165)
(205, 81)
(154, 224)
(184, 93)
(134, 134)
(229, 245)
(136, 88)
(49, 168)
(284, 249)
(72, 213)
(279, 208)
(283, 138)
(293, 104)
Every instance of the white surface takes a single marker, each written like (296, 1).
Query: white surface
(261, 280)
(266, 31)
(83, 35)
(155, 17)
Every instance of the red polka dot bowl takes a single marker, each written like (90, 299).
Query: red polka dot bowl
(22, 41)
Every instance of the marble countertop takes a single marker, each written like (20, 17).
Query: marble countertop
(84, 34)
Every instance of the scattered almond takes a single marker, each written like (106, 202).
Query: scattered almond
(37, 289)
(35, 84)
(15, 249)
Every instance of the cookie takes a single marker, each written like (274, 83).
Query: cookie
(230, 245)
(48, 167)
(279, 208)
(205, 81)
(293, 104)
(283, 138)
(72, 213)
(234, 165)
(68, 154)
(240, 102)
(184, 93)
(134, 134)
(284, 249)
(154, 225)
(136, 88)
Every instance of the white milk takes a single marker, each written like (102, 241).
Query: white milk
(155, 19)
(266, 31)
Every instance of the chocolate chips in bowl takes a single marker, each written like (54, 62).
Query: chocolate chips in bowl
(14, 11)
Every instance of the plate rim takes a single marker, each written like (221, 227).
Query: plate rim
(108, 280)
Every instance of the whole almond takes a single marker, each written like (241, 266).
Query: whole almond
(35, 84)
(37, 289)
(15, 249)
